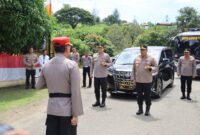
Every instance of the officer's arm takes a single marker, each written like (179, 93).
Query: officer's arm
(194, 68)
(92, 67)
(25, 62)
(41, 82)
(179, 67)
(154, 63)
(109, 63)
(77, 107)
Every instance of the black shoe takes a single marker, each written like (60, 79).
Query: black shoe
(88, 86)
(26, 87)
(33, 88)
(188, 96)
(83, 86)
(96, 104)
(147, 111)
(183, 97)
(102, 104)
(140, 111)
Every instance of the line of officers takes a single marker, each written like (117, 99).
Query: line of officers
(62, 78)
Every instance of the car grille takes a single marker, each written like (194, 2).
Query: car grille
(123, 80)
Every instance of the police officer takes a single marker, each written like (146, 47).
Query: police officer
(99, 66)
(187, 70)
(31, 61)
(75, 55)
(86, 61)
(142, 76)
(43, 58)
(62, 78)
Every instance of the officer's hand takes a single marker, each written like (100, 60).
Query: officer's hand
(74, 121)
(17, 133)
(193, 76)
(178, 74)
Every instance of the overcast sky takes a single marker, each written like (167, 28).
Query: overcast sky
(141, 10)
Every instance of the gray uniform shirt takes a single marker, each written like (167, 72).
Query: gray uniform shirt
(100, 71)
(139, 73)
(61, 75)
(186, 67)
(30, 60)
(86, 61)
(75, 57)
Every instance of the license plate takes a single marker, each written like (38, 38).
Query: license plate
(126, 85)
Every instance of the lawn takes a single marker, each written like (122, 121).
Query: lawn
(14, 97)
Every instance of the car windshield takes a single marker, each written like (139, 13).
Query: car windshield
(127, 57)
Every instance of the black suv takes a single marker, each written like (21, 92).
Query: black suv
(119, 74)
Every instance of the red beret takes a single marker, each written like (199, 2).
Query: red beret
(61, 41)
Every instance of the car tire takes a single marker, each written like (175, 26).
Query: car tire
(159, 87)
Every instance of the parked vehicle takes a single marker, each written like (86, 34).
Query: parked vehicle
(190, 39)
(119, 74)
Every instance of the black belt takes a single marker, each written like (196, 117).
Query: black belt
(53, 95)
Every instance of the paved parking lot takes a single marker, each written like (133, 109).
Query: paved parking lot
(169, 115)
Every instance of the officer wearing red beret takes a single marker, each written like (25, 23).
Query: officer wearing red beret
(62, 78)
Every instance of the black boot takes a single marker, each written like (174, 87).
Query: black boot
(140, 111)
(103, 103)
(183, 95)
(97, 103)
(147, 111)
(188, 96)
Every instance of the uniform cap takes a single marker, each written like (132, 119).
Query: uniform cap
(143, 47)
(61, 41)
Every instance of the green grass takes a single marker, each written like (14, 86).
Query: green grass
(14, 97)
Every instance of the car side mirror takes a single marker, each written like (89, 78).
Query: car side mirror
(165, 60)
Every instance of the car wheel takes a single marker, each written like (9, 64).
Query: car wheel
(159, 87)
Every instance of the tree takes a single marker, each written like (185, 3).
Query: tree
(113, 19)
(23, 23)
(188, 18)
(123, 36)
(156, 36)
(74, 16)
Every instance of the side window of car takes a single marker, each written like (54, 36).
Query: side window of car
(162, 56)
(168, 54)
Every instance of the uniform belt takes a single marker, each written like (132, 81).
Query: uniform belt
(53, 95)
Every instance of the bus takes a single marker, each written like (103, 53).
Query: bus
(191, 40)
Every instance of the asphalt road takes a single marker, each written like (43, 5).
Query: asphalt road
(169, 115)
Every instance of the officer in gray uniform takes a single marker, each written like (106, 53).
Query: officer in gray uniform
(187, 70)
(30, 60)
(142, 76)
(86, 61)
(62, 78)
(100, 63)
